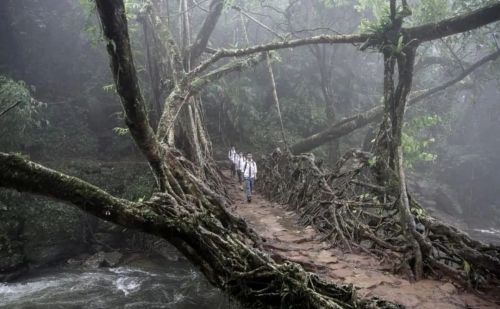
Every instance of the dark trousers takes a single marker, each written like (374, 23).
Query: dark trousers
(249, 187)
(233, 169)
(240, 176)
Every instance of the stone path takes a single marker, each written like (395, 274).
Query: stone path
(285, 239)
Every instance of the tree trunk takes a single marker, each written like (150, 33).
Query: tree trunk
(276, 100)
(153, 68)
(399, 52)
(114, 24)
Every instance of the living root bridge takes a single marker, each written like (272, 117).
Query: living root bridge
(351, 209)
(198, 224)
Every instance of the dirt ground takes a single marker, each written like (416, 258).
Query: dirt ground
(285, 239)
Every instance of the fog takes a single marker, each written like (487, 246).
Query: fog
(54, 54)
(56, 48)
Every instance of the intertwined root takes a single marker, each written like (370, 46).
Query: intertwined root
(351, 208)
(196, 220)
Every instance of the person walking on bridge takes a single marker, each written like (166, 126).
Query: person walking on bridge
(250, 175)
(240, 162)
(236, 161)
(231, 156)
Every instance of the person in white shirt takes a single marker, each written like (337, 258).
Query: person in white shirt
(236, 161)
(250, 175)
(240, 161)
(231, 156)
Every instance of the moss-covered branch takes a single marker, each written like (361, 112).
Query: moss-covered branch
(427, 32)
(348, 125)
(320, 39)
(180, 96)
(26, 176)
(458, 24)
(234, 66)
(115, 29)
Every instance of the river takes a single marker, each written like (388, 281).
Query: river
(147, 285)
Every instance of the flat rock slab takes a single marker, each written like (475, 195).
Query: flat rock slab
(343, 273)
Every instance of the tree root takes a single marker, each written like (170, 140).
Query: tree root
(350, 206)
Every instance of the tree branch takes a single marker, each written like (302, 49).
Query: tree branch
(235, 66)
(432, 60)
(338, 129)
(201, 41)
(239, 9)
(320, 39)
(358, 121)
(276, 99)
(464, 74)
(23, 175)
(462, 23)
(9, 108)
(178, 98)
(114, 25)
(175, 59)
(427, 32)
(173, 105)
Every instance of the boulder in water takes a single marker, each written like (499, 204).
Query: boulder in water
(112, 259)
(103, 259)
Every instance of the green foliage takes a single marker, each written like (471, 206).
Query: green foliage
(275, 57)
(30, 223)
(14, 123)
(469, 5)
(381, 23)
(110, 88)
(372, 160)
(68, 135)
(376, 12)
(39, 219)
(129, 180)
(467, 268)
(416, 143)
(91, 27)
(418, 211)
(470, 42)
(134, 7)
(247, 5)
(121, 131)
(424, 11)
(336, 3)
(428, 11)
(379, 8)
(249, 106)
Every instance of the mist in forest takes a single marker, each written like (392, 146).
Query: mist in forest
(56, 49)
(60, 107)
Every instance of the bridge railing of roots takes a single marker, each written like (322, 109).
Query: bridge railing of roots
(352, 210)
